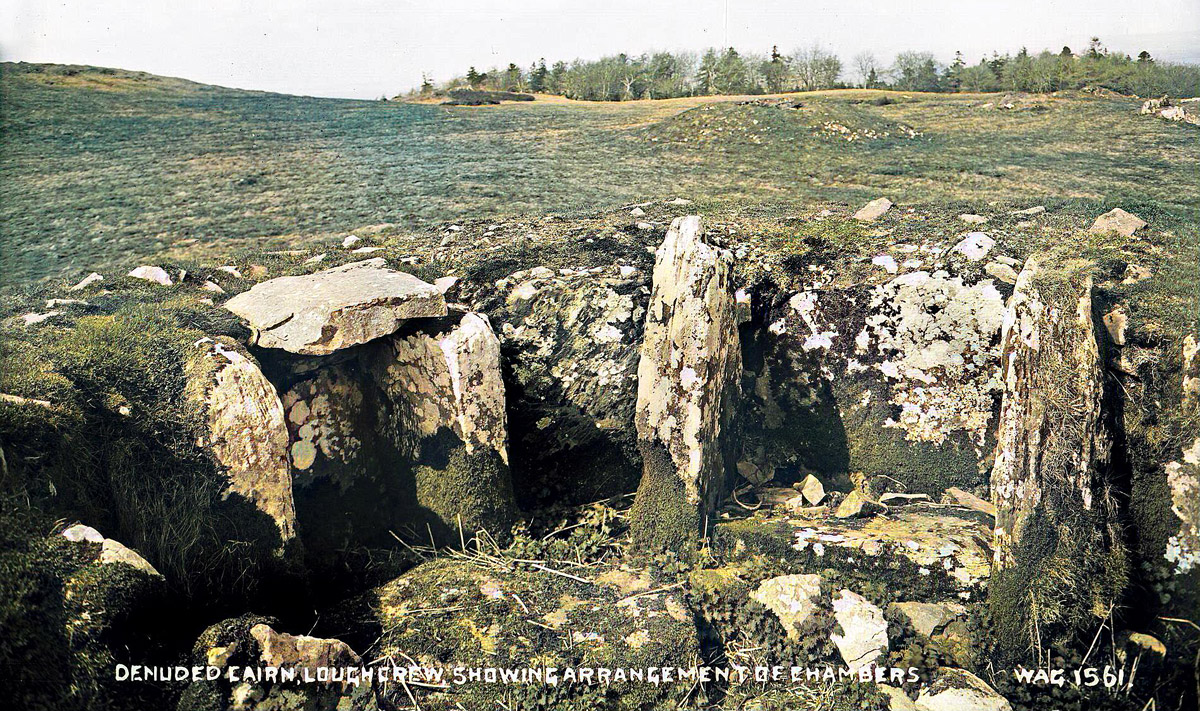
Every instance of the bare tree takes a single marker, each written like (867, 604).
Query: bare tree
(867, 67)
(815, 68)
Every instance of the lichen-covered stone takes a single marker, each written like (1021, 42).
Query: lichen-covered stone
(1183, 477)
(688, 386)
(1119, 221)
(246, 431)
(1057, 559)
(863, 637)
(570, 342)
(793, 599)
(318, 314)
(960, 690)
(873, 210)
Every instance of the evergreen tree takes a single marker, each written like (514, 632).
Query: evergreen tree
(474, 78)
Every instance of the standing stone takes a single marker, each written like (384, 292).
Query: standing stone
(687, 388)
(1056, 560)
(246, 435)
(318, 314)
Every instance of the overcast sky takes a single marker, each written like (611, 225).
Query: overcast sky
(366, 48)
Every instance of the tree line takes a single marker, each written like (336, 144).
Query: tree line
(661, 75)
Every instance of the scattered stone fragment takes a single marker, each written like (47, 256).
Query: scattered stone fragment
(864, 630)
(322, 313)
(87, 281)
(928, 617)
(975, 246)
(158, 275)
(1030, 211)
(351, 241)
(960, 690)
(793, 599)
(213, 287)
(896, 497)
(887, 262)
(637, 212)
(1001, 271)
(812, 490)
(973, 219)
(873, 210)
(33, 319)
(445, 284)
(231, 270)
(1119, 221)
(55, 303)
(366, 250)
(856, 504)
(688, 384)
(645, 226)
(316, 258)
(302, 653)
(678, 201)
(1135, 273)
(1148, 642)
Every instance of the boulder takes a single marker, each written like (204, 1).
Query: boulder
(873, 210)
(1119, 221)
(960, 690)
(895, 378)
(1055, 542)
(688, 387)
(863, 638)
(321, 313)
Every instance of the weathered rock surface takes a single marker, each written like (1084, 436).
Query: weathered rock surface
(928, 617)
(793, 599)
(688, 387)
(1119, 221)
(1183, 478)
(863, 638)
(407, 436)
(898, 378)
(873, 210)
(111, 551)
(570, 341)
(960, 690)
(158, 275)
(246, 431)
(1054, 550)
(321, 313)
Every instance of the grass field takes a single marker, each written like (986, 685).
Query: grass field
(100, 168)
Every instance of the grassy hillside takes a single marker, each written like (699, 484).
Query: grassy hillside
(101, 166)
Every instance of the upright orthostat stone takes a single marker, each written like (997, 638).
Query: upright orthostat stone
(320, 313)
(687, 388)
(1056, 553)
(409, 436)
(246, 432)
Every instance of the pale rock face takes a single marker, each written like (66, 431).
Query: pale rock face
(940, 362)
(928, 617)
(960, 690)
(1183, 477)
(246, 430)
(1001, 271)
(450, 379)
(301, 652)
(322, 313)
(158, 275)
(873, 210)
(690, 359)
(864, 630)
(87, 281)
(971, 219)
(812, 489)
(1119, 221)
(793, 599)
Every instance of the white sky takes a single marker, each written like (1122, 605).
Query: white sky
(365, 48)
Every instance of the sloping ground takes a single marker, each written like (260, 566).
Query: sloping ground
(101, 165)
